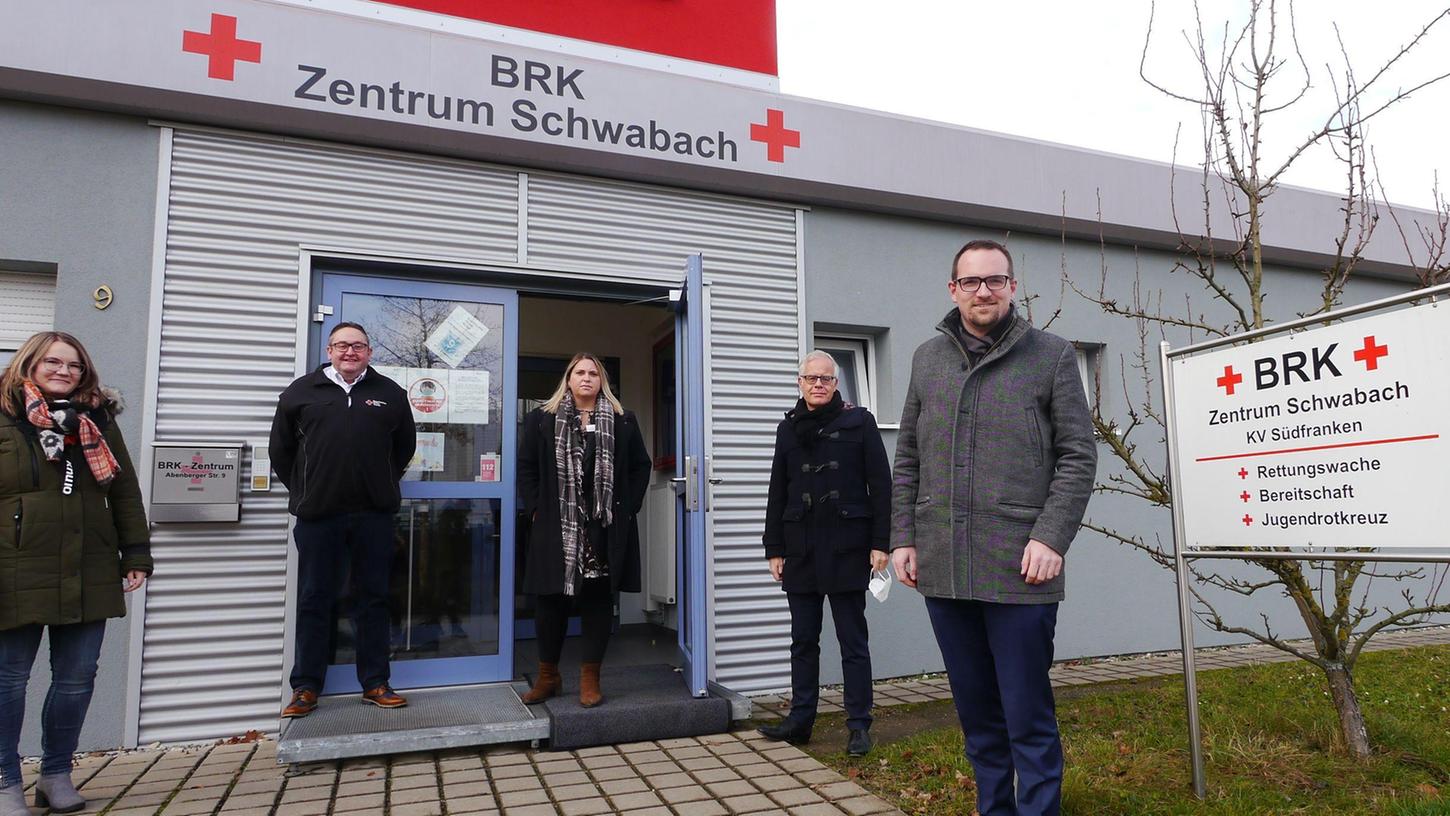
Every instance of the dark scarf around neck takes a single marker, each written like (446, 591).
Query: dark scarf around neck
(808, 423)
(979, 346)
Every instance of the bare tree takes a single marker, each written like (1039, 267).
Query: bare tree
(401, 338)
(401, 327)
(1433, 237)
(1242, 90)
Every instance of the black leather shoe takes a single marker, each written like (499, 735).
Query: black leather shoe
(787, 730)
(859, 743)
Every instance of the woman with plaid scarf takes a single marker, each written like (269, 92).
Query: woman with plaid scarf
(583, 472)
(73, 538)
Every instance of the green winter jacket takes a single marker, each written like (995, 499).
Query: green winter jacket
(62, 556)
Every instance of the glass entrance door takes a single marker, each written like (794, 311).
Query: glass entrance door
(453, 348)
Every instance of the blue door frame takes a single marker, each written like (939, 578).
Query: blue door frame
(691, 480)
(449, 670)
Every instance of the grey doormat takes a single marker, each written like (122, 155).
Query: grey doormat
(640, 703)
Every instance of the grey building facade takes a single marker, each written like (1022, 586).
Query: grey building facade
(217, 221)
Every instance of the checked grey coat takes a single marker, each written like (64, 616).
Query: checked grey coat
(989, 457)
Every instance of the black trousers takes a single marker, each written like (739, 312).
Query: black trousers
(324, 548)
(595, 603)
(848, 610)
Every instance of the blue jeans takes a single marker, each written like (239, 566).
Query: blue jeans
(74, 650)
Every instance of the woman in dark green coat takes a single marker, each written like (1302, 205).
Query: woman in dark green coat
(73, 538)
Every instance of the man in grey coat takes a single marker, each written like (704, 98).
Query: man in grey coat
(995, 462)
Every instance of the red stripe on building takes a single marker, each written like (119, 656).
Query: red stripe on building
(735, 34)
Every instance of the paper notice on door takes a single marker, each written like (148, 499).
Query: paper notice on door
(459, 334)
(488, 467)
(428, 394)
(428, 456)
(397, 374)
(468, 395)
(438, 395)
(427, 390)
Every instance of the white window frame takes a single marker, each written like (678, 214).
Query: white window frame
(7, 353)
(863, 347)
(1089, 363)
(11, 344)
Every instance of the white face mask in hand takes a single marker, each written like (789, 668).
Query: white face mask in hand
(880, 585)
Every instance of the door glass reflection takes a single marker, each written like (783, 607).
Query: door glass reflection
(448, 355)
(444, 590)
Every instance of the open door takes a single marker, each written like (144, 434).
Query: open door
(692, 479)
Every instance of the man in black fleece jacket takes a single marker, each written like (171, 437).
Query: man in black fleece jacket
(341, 439)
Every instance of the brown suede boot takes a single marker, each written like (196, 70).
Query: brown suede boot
(589, 694)
(546, 684)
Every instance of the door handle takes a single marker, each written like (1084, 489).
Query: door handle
(712, 480)
(692, 485)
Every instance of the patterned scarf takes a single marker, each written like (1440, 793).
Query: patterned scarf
(56, 420)
(569, 464)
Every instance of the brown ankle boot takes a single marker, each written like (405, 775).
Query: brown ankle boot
(589, 694)
(546, 684)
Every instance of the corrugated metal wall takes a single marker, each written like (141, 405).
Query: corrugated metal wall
(750, 262)
(239, 209)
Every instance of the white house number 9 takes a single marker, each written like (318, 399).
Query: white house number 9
(103, 296)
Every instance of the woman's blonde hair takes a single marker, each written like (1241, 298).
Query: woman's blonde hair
(87, 390)
(552, 406)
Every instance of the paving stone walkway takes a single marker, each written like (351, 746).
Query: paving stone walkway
(718, 775)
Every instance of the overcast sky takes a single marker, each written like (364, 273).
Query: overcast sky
(1068, 72)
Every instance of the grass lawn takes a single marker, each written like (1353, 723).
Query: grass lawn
(1271, 745)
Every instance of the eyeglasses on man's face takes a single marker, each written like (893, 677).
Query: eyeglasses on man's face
(53, 364)
(817, 379)
(341, 347)
(995, 283)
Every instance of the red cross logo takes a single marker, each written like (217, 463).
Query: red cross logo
(1245, 495)
(1248, 520)
(195, 471)
(1229, 380)
(1370, 355)
(775, 134)
(1243, 474)
(221, 47)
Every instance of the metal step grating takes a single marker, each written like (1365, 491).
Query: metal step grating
(343, 726)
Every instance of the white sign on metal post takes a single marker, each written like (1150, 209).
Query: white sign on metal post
(1328, 444)
(1333, 437)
